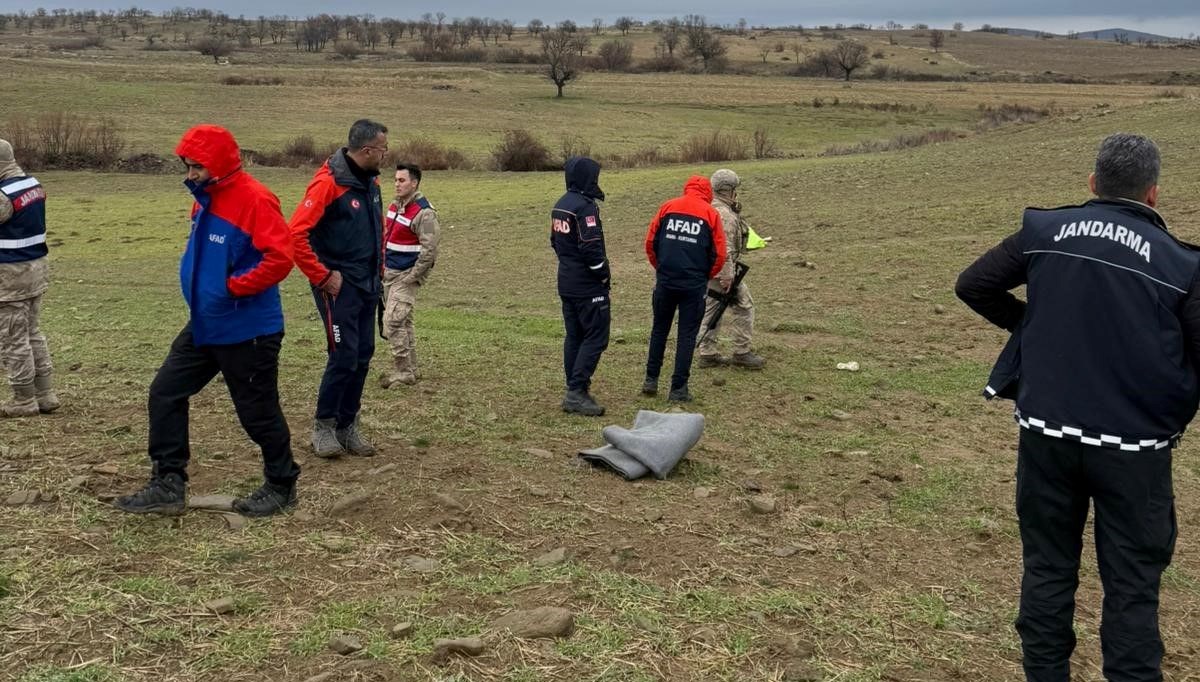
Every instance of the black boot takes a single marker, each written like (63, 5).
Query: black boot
(269, 499)
(581, 402)
(680, 395)
(165, 494)
(650, 386)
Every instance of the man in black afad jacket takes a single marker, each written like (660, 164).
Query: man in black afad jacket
(1102, 364)
(583, 281)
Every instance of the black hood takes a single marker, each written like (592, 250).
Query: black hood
(583, 176)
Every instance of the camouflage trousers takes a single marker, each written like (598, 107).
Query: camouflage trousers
(738, 319)
(22, 345)
(399, 299)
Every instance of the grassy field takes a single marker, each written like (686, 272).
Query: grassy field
(893, 556)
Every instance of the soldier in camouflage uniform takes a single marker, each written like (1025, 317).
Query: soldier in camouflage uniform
(410, 229)
(24, 277)
(739, 316)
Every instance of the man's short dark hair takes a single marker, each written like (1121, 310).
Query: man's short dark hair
(414, 171)
(363, 132)
(1127, 166)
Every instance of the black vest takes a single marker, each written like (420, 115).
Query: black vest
(1100, 355)
(23, 236)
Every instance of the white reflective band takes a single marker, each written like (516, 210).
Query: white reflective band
(596, 267)
(22, 243)
(406, 248)
(990, 390)
(21, 186)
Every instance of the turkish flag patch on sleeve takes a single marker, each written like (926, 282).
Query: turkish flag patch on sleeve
(590, 220)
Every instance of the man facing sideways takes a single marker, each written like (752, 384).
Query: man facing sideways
(238, 251)
(1102, 363)
(686, 246)
(337, 231)
(410, 232)
(24, 278)
(577, 238)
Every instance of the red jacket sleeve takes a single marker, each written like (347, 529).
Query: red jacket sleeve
(718, 238)
(270, 235)
(650, 254)
(320, 193)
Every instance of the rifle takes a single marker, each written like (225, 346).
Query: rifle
(727, 297)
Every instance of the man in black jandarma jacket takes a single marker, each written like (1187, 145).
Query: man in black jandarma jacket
(1102, 364)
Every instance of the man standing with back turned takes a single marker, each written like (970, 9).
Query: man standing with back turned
(1102, 364)
(577, 238)
(337, 231)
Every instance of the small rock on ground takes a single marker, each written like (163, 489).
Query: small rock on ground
(449, 502)
(542, 622)
(22, 498)
(702, 493)
(763, 504)
(402, 630)
(220, 606)
(840, 415)
(551, 558)
(345, 644)
(421, 564)
(468, 646)
(349, 502)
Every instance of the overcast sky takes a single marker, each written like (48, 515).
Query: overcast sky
(1167, 17)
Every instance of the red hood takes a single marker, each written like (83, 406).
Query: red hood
(212, 146)
(698, 186)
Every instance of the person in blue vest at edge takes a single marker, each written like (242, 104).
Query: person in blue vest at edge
(24, 278)
(1102, 364)
(238, 251)
(577, 237)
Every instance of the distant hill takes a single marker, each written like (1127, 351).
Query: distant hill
(1105, 35)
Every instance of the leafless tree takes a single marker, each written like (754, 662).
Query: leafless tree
(850, 55)
(559, 58)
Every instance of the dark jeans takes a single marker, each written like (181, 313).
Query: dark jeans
(690, 304)
(349, 320)
(251, 372)
(587, 322)
(1135, 538)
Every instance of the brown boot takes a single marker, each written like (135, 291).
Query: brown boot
(23, 404)
(402, 373)
(47, 399)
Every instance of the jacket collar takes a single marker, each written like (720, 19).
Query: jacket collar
(1132, 207)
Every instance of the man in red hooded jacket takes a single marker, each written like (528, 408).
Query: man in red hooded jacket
(238, 251)
(686, 247)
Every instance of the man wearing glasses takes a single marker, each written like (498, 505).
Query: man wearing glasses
(337, 232)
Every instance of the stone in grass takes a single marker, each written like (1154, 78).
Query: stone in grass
(542, 622)
(402, 630)
(467, 646)
(763, 504)
(345, 645)
(419, 564)
(551, 558)
(349, 502)
(449, 502)
(220, 606)
(22, 498)
(840, 415)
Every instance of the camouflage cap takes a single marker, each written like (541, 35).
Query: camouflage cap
(725, 180)
(6, 152)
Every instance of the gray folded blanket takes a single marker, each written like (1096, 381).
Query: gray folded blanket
(655, 444)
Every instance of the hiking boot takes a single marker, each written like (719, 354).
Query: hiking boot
(580, 402)
(47, 399)
(748, 360)
(403, 372)
(351, 439)
(23, 404)
(706, 361)
(165, 494)
(680, 395)
(324, 439)
(270, 498)
(650, 386)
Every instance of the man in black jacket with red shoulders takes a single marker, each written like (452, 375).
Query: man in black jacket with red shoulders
(1102, 364)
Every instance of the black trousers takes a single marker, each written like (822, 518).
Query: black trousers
(349, 320)
(690, 304)
(587, 322)
(251, 372)
(1135, 539)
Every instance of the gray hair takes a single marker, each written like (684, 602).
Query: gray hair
(363, 132)
(1127, 166)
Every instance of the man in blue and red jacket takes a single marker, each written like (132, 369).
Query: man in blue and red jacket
(686, 246)
(238, 251)
(337, 232)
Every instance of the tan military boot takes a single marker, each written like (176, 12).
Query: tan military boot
(402, 373)
(47, 399)
(23, 404)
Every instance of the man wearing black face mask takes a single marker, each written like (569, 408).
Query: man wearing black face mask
(583, 281)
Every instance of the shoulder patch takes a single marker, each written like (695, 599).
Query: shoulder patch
(424, 203)
(591, 221)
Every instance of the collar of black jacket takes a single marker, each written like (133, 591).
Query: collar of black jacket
(1131, 207)
(347, 173)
